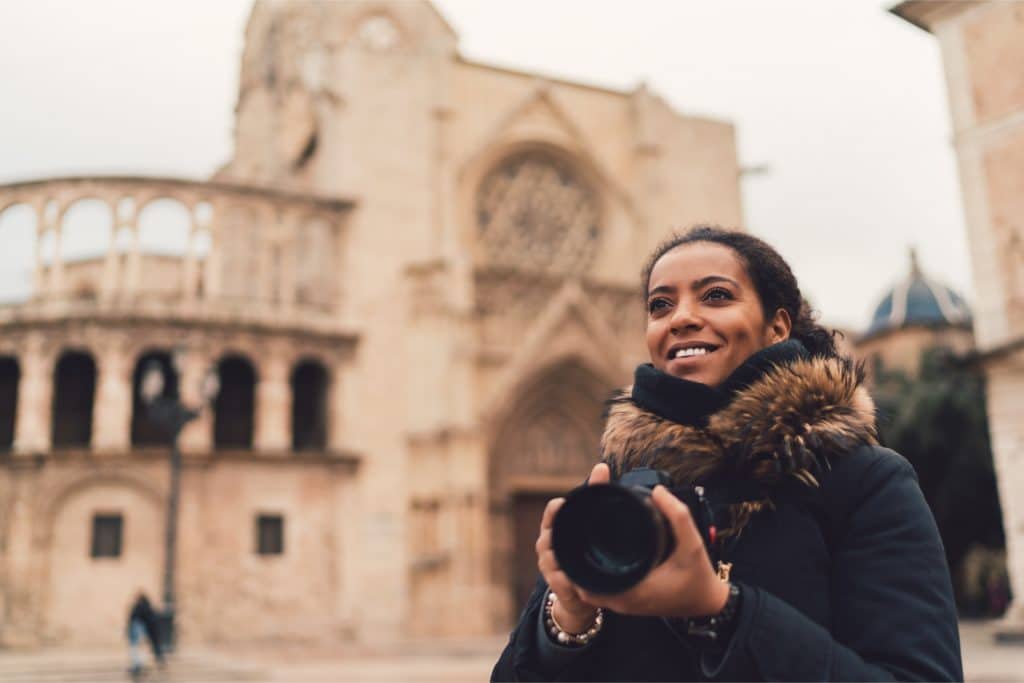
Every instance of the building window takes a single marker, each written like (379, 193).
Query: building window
(269, 535)
(106, 535)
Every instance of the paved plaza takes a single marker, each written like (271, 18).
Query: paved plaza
(454, 662)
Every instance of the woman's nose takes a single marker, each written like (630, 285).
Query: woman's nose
(685, 317)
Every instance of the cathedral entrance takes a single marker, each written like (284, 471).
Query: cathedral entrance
(545, 447)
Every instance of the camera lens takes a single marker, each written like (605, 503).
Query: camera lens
(606, 538)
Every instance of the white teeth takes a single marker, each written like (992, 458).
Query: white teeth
(686, 353)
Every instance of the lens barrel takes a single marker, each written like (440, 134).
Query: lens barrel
(607, 537)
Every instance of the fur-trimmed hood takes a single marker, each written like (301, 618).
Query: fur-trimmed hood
(788, 423)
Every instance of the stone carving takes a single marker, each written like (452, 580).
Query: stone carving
(534, 212)
(379, 33)
(554, 444)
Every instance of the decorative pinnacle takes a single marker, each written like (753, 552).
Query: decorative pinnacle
(915, 267)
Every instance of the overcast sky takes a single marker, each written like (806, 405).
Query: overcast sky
(844, 102)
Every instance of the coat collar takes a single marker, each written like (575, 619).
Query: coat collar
(692, 403)
(785, 421)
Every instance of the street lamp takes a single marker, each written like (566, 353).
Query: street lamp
(170, 415)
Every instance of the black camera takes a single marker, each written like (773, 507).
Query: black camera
(607, 537)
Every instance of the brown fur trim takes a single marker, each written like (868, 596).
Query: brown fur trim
(788, 424)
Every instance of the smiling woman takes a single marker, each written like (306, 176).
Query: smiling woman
(827, 563)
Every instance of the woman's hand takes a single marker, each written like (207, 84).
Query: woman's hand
(684, 585)
(570, 611)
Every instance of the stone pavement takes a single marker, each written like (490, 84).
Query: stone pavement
(448, 662)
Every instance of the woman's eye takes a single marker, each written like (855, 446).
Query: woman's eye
(718, 294)
(656, 305)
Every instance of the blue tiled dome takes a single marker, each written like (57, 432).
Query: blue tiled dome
(919, 300)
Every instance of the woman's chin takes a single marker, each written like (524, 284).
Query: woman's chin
(698, 375)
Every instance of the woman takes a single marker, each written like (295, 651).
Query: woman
(830, 564)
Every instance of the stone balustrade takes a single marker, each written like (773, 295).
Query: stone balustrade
(175, 247)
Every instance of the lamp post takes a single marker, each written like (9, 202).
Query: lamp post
(170, 415)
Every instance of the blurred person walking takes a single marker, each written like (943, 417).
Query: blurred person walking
(143, 622)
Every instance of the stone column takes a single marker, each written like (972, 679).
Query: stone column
(197, 437)
(190, 266)
(111, 260)
(133, 265)
(35, 392)
(337, 436)
(55, 275)
(273, 405)
(112, 408)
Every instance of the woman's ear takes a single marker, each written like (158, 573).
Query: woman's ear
(779, 327)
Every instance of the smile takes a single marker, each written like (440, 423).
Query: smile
(691, 350)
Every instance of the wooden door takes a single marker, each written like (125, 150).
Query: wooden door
(527, 510)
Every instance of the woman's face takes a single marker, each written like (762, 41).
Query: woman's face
(704, 316)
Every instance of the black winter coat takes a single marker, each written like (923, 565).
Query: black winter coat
(841, 568)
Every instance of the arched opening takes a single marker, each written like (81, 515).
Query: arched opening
(309, 407)
(17, 258)
(87, 230)
(10, 373)
(144, 431)
(73, 390)
(164, 227)
(545, 446)
(233, 408)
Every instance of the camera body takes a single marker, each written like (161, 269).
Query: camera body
(608, 537)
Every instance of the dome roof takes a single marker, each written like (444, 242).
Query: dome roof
(919, 300)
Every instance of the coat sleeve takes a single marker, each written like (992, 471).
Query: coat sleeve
(892, 602)
(525, 659)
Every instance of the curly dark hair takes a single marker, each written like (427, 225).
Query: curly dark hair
(772, 277)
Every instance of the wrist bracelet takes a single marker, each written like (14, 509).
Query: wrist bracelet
(717, 628)
(562, 636)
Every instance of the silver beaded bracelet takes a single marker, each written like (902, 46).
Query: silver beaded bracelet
(562, 636)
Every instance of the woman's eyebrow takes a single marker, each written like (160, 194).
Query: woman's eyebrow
(661, 289)
(698, 284)
(710, 279)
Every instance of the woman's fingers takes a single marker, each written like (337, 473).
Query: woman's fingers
(601, 474)
(549, 512)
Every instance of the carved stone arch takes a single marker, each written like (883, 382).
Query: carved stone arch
(542, 446)
(9, 200)
(50, 505)
(568, 327)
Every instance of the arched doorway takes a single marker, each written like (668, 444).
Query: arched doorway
(544, 447)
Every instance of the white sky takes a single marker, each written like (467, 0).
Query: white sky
(845, 103)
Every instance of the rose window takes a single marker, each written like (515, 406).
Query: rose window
(534, 212)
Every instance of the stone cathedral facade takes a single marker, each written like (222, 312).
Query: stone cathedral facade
(416, 280)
